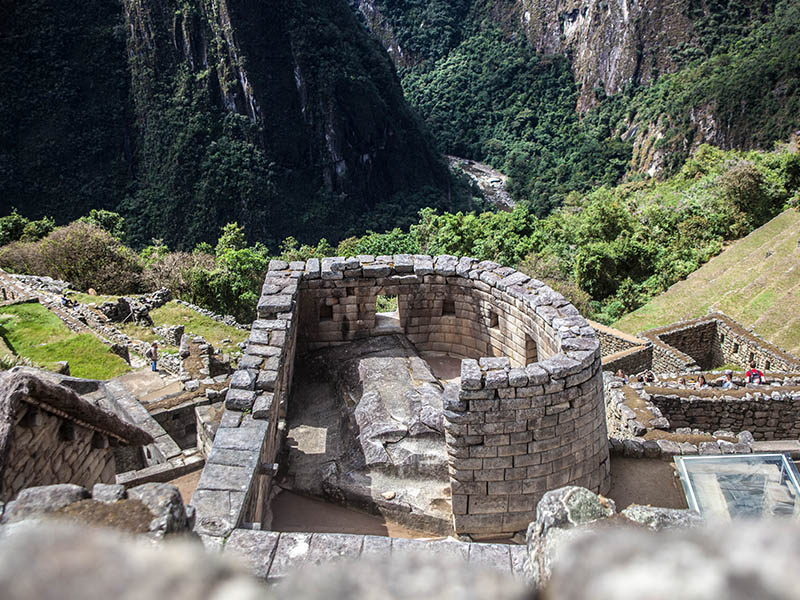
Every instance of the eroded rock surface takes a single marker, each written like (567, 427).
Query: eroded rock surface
(365, 428)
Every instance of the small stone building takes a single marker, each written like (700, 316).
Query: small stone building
(49, 434)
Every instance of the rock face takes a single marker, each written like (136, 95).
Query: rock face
(611, 44)
(369, 424)
(59, 561)
(739, 561)
(573, 513)
(332, 123)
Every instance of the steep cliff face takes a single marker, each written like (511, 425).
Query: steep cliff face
(65, 139)
(286, 116)
(611, 43)
(294, 98)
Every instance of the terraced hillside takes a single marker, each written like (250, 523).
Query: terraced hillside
(756, 281)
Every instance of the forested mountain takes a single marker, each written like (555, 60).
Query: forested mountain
(565, 96)
(286, 116)
(290, 117)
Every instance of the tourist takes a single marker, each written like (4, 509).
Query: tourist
(727, 383)
(621, 375)
(753, 375)
(701, 383)
(152, 354)
(649, 377)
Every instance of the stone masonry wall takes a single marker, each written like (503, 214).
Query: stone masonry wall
(459, 306)
(514, 433)
(613, 341)
(695, 341)
(445, 304)
(47, 450)
(235, 484)
(630, 361)
(711, 341)
(768, 416)
(736, 345)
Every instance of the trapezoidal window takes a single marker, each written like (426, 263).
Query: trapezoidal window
(325, 312)
(448, 307)
(736, 348)
(531, 351)
(752, 357)
(767, 366)
(494, 320)
(387, 314)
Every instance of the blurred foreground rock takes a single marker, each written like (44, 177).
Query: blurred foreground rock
(738, 561)
(47, 560)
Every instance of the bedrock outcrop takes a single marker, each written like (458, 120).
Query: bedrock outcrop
(365, 429)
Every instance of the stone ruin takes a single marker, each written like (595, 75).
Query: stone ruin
(517, 443)
(527, 416)
(50, 434)
(691, 346)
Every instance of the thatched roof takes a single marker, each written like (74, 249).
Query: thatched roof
(18, 387)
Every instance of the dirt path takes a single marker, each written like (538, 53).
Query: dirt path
(645, 481)
(292, 512)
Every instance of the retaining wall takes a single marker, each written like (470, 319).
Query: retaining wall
(767, 415)
(711, 341)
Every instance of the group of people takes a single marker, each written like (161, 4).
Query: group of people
(67, 303)
(753, 376)
(646, 376)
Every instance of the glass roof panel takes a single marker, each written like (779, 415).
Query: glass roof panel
(740, 486)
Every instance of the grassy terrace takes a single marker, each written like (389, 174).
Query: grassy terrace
(756, 281)
(194, 323)
(32, 331)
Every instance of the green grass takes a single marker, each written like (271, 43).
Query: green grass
(32, 331)
(194, 323)
(756, 281)
(82, 298)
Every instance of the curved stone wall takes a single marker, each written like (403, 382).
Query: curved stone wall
(528, 417)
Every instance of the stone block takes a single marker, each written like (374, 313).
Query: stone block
(240, 400)
(470, 375)
(494, 363)
(274, 304)
(108, 493)
(243, 380)
(496, 379)
(266, 381)
(518, 378)
(225, 477)
(329, 548)
(254, 549)
(262, 407)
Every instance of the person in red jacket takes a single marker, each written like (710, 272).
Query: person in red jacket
(754, 375)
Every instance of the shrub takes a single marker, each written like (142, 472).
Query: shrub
(81, 253)
(175, 271)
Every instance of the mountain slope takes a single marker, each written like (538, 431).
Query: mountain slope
(756, 281)
(286, 116)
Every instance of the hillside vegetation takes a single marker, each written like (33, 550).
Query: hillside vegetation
(756, 281)
(286, 117)
(487, 95)
(609, 251)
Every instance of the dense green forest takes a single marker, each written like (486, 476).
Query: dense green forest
(608, 251)
(486, 95)
(183, 115)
